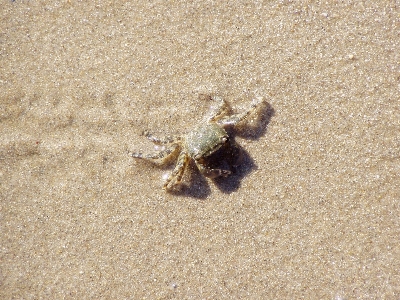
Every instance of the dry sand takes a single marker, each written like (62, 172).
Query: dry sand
(315, 215)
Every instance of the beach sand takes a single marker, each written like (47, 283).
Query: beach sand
(314, 211)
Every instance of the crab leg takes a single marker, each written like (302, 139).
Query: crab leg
(176, 176)
(235, 119)
(157, 157)
(161, 141)
(221, 110)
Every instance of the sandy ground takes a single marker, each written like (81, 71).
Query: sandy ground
(314, 211)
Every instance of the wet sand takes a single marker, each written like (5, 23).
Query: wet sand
(313, 211)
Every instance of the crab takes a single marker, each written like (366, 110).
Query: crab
(209, 144)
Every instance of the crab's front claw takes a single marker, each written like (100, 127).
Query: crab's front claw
(213, 173)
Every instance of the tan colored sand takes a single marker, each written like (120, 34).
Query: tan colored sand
(316, 217)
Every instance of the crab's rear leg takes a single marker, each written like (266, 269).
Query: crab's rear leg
(176, 176)
(159, 157)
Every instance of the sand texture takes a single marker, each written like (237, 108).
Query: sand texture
(313, 210)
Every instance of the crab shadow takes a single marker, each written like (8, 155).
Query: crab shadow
(196, 185)
(239, 162)
(232, 183)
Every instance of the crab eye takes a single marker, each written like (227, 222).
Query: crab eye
(224, 139)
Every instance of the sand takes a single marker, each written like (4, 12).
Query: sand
(314, 211)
